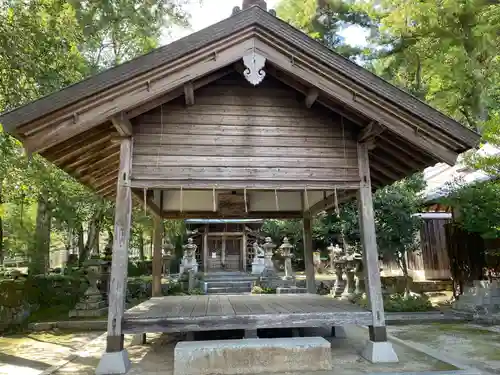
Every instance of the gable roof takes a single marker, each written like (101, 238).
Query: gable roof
(251, 17)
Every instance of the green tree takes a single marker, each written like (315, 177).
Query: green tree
(44, 46)
(324, 19)
(446, 54)
(396, 224)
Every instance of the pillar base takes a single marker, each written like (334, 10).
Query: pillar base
(113, 363)
(339, 332)
(379, 352)
(138, 339)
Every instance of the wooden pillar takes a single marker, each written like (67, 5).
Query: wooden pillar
(244, 251)
(157, 246)
(118, 282)
(370, 253)
(308, 256)
(205, 249)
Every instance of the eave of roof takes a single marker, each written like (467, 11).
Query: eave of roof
(253, 16)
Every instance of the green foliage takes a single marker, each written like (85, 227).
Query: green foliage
(445, 54)
(45, 46)
(476, 207)
(263, 290)
(400, 303)
(396, 225)
(322, 20)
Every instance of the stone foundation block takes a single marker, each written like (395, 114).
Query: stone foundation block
(113, 363)
(292, 290)
(252, 356)
(379, 352)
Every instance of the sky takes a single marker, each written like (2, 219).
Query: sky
(212, 11)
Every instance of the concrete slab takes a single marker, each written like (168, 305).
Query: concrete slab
(252, 356)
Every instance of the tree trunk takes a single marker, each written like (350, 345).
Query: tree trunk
(404, 268)
(81, 243)
(1, 226)
(92, 237)
(40, 255)
(141, 246)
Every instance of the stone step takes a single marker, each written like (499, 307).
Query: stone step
(230, 283)
(252, 356)
(228, 290)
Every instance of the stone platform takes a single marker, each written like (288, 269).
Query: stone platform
(252, 356)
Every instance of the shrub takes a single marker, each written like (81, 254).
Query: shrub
(400, 303)
(263, 290)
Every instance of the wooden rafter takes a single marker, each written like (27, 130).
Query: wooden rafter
(189, 93)
(311, 97)
(122, 125)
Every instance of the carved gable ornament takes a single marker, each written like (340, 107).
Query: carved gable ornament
(254, 64)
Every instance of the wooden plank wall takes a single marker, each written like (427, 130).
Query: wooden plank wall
(434, 252)
(431, 262)
(240, 133)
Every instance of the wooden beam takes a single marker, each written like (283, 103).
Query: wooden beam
(118, 280)
(311, 97)
(240, 185)
(122, 125)
(135, 95)
(293, 83)
(153, 208)
(189, 93)
(199, 83)
(371, 131)
(308, 255)
(242, 215)
(369, 241)
(358, 102)
(157, 253)
(386, 172)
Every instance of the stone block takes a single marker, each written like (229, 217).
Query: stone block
(252, 356)
(291, 290)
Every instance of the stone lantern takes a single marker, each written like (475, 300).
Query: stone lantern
(286, 252)
(189, 259)
(337, 266)
(353, 263)
(166, 255)
(268, 253)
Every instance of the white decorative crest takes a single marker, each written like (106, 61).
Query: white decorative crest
(254, 64)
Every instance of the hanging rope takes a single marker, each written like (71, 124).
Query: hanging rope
(306, 198)
(336, 202)
(245, 197)
(145, 191)
(182, 200)
(276, 199)
(213, 199)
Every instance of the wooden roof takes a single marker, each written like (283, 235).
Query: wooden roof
(75, 127)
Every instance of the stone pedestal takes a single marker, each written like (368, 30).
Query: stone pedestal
(268, 255)
(258, 266)
(189, 259)
(349, 285)
(187, 265)
(286, 252)
(483, 298)
(91, 305)
(339, 283)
